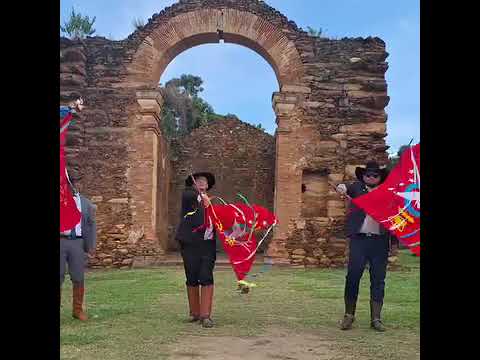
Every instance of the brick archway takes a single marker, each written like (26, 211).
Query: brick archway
(164, 37)
(329, 111)
(180, 28)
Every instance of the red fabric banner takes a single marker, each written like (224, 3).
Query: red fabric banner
(396, 202)
(234, 223)
(69, 214)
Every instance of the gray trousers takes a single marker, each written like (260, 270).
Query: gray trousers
(72, 253)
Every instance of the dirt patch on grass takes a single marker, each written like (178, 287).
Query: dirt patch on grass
(276, 344)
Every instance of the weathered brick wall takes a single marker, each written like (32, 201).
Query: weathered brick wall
(241, 157)
(330, 116)
(163, 197)
(341, 124)
(102, 146)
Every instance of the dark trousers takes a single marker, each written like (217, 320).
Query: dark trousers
(73, 255)
(199, 260)
(371, 249)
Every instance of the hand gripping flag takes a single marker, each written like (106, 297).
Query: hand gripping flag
(396, 202)
(69, 214)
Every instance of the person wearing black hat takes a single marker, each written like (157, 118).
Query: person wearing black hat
(198, 247)
(368, 242)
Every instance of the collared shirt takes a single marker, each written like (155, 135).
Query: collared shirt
(209, 229)
(370, 226)
(78, 227)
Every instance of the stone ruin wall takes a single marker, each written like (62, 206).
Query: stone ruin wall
(341, 125)
(102, 144)
(329, 121)
(241, 157)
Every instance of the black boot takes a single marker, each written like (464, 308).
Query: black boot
(375, 312)
(349, 317)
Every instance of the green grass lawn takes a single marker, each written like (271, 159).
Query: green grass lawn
(136, 314)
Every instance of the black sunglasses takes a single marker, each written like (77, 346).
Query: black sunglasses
(373, 175)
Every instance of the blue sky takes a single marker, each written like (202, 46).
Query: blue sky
(239, 81)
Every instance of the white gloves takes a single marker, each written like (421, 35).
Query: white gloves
(342, 189)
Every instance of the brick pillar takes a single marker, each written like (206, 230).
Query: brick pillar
(288, 174)
(287, 199)
(144, 173)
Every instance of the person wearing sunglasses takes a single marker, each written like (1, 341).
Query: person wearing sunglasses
(368, 242)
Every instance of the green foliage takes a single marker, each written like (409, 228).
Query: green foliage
(202, 112)
(78, 26)
(183, 109)
(138, 23)
(393, 160)
(168, 122)
(259, 126)
(187, 84)
(314, 32)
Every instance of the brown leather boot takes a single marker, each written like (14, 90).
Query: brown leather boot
(375, 312)
(349, 317)
(78, 293)
(211, 303)
(193, 293)
(206, 306)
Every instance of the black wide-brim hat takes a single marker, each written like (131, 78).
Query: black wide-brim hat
(372, 166)
(209, 176)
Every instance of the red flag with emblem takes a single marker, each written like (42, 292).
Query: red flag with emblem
(395, 203)
(235, 225)
(69, 214)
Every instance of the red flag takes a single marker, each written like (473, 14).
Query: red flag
(234, 223)
(239, 251)
(396, 202)
(69, 214)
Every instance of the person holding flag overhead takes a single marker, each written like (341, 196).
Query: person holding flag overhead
(74, 244)
(69, 215)
(77, 219)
